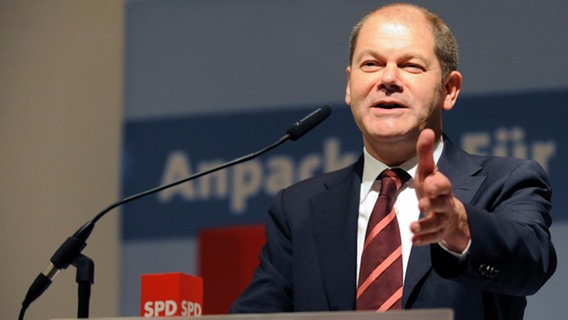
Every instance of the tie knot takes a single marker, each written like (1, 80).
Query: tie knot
(392, 180)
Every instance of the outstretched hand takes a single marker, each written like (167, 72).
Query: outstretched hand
(445, 219)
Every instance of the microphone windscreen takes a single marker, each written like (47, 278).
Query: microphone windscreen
(298, 129)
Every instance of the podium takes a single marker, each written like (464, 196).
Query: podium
(424, 314)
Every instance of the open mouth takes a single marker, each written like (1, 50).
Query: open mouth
(389, 106)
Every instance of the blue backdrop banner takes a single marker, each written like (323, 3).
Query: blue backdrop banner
(160, 151)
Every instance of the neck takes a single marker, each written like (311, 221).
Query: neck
(392, 154)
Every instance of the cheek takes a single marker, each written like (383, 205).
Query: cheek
(360, 86)
(360, 112)
(427, 101)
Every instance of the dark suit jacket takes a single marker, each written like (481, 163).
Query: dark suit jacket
(309, 260)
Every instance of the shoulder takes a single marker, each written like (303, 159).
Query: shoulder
(307, 188)
(488, 164)
(327, 180)
(499, 175)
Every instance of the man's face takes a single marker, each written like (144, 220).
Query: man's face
(394, 81)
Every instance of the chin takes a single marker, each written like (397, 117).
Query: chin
(394, 136)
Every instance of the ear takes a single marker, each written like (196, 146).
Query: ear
(452, 87)
(347, 88)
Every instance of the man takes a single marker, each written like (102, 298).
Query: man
(474, 230)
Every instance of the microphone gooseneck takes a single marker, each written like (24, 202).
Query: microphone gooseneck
(72, 247)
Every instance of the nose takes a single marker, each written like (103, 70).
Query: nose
(390, 80)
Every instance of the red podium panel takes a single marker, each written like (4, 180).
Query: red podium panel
(171, 294)
(226, 262)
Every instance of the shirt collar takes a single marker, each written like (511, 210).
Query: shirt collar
(373, 167)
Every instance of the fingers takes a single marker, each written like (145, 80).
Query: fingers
(445, 221)
(439, 203)
(427, 230)
(437, 206)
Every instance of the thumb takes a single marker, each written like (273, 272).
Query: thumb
(425, 155)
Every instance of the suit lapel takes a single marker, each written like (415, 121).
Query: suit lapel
(460, 168)
(334, 216)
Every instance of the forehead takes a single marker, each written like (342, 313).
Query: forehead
(398, 27)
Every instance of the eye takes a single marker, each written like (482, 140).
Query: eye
(414, 68)
(370, 65)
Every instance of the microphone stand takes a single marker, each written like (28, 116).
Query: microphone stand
(85, 279)
(85, 266)
(70, 251)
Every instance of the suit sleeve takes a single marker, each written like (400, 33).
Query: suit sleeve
(511, 250)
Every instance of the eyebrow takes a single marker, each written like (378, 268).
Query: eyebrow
(407, 56)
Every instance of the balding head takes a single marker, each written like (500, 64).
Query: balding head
(445, 44)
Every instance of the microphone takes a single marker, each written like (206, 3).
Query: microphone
(71, 249)
(298, 129)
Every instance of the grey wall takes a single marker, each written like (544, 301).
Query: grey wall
(60, 117)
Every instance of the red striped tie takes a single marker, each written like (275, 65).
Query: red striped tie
(380, 277)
